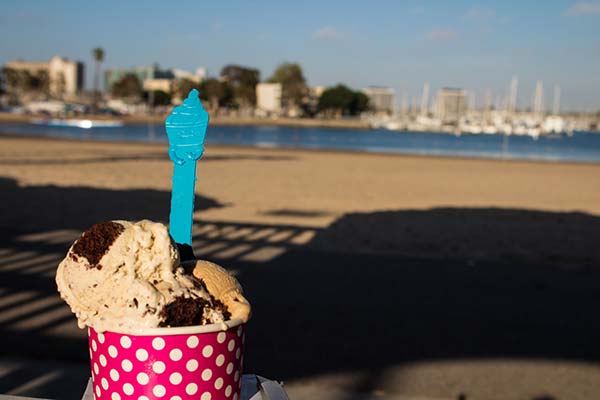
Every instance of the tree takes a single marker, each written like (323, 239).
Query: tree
(218, 94)
(342, 100)
(98, 54)
(160, 98)
(243, 82)
(128, 86)
(292, 81)
(182, 87)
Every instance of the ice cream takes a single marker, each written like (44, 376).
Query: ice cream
(124, 277)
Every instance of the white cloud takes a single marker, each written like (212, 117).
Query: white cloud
(480, 14)
(583, 8)
(442, 35)
(326, 33)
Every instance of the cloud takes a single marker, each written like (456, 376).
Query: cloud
(442, 35)
(326, 33)
(480, 14)
(583, 8)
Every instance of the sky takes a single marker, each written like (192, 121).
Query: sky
(476, 45)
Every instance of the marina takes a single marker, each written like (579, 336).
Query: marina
(577, 147)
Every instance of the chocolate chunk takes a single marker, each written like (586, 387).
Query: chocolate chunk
(96, 241)
(183, 312)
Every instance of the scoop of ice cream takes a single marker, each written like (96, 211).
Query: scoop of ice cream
(122, 276)
(224, 287)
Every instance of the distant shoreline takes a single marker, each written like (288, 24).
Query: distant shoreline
(9, 118)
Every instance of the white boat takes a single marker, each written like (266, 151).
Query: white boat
(78, 123)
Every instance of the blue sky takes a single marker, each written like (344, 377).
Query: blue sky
(475, 45)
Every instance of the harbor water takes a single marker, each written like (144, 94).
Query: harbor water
(580, 147)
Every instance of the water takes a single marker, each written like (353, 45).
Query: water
(581, 147)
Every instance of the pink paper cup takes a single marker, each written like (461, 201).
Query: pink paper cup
(196, 362)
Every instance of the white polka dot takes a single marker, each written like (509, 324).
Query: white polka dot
(206, 396)
(158, 367)
(96, 369)
(239, 331)
(127, 365)
(192, 342)
(236, 376)
(101, 337)
(231, 345)
(141, 354)
(112, 351)
(219, 383)
(102, 360)
(158, 343)
(143, 398)
(90, 351)
(94, 345)
(128, 389)
(238, 353)
(221, 337)
(228, 391)
(114, 375)
(175, 398)
(159, 390)
(115, 396)
(175, 355)
(125, 342)
(220, 360)
(98, 391)
(206, 374)
(235, 396)
(191, 389)
(175, 378)
(104, 383)
(142, 378)
(229, 368)
(191, 365)
(207, 351)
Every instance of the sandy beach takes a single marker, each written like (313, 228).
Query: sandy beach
(398, 276)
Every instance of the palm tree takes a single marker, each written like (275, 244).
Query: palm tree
(98, 54)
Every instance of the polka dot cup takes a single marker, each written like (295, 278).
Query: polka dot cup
(201, 362)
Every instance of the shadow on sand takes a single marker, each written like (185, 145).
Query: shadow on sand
(369, 292)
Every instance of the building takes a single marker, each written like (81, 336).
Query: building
(381, 99)
(65, 77)
(268, 98)
(112, 76)
(197, 76)
(153, 78)
(451, 105)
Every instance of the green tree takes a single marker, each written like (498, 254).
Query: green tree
(243, 82)
(217, 93)
(128, 86)
(182, 87)
(342, 100)
(160, 98)
(98, 54)
(292, 81)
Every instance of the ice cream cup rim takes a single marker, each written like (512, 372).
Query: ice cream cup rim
(183, 330)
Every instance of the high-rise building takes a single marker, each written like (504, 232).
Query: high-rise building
(380, 98)
(65, 77)
(451, 105)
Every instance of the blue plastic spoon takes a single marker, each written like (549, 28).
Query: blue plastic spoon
(186, 129)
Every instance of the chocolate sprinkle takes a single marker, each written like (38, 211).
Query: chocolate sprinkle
(96, 241)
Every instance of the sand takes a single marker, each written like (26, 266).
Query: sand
(403, 276)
